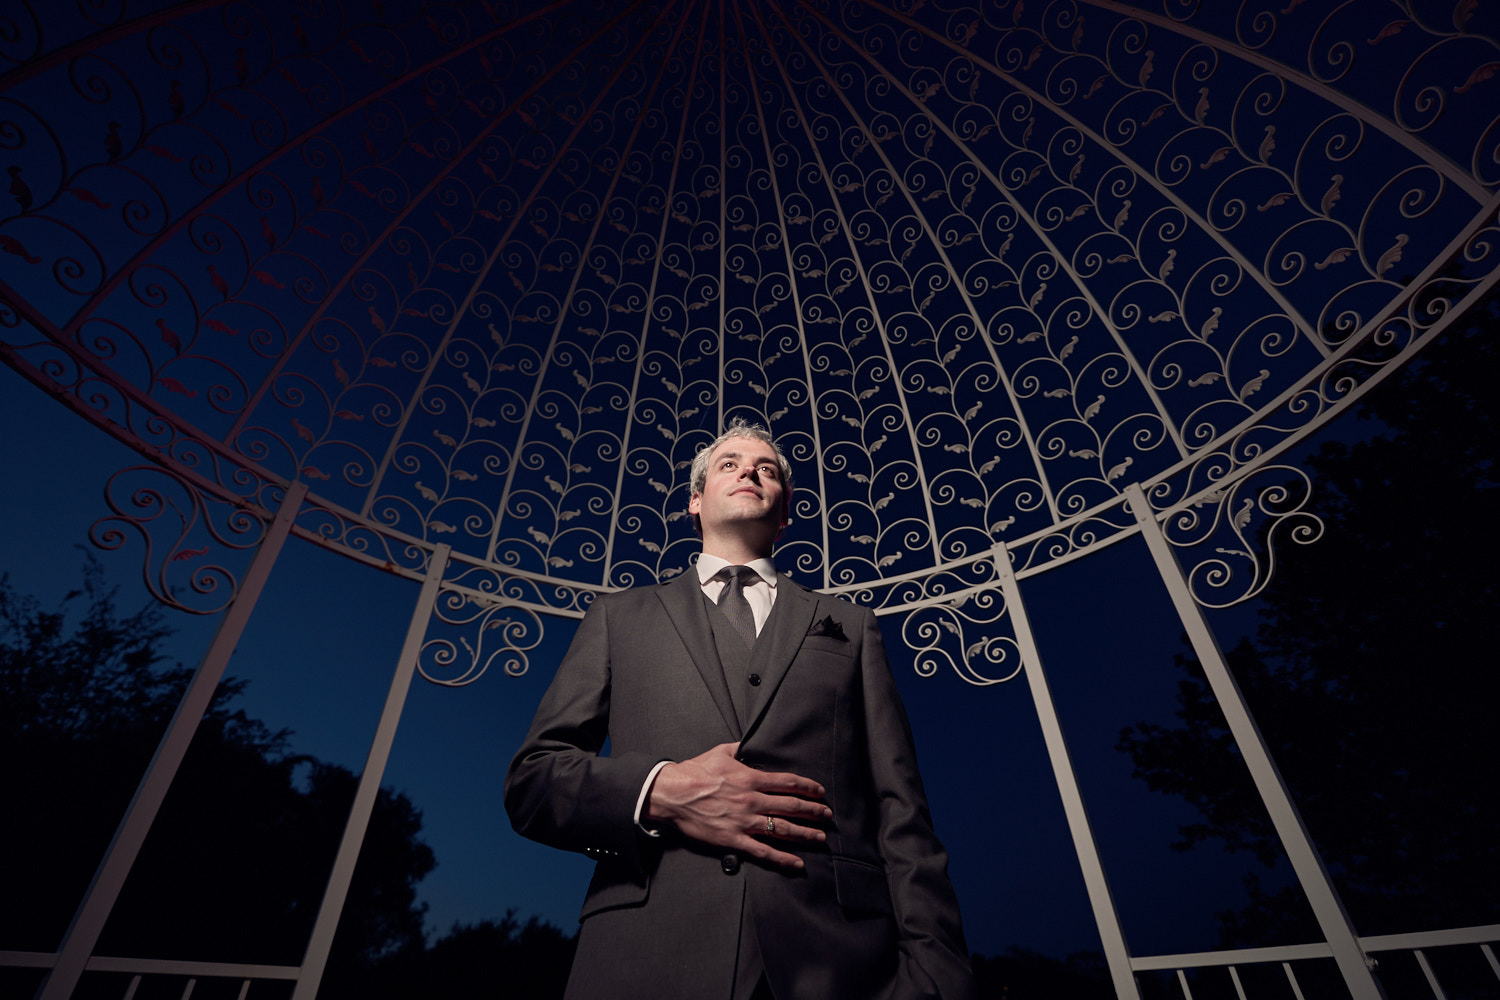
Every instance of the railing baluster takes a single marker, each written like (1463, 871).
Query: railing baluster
(1291, 978)
(1234, 977)
(1437, 989)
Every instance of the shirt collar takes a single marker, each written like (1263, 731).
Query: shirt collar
(709, 565)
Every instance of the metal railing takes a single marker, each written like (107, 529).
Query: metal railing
(138, 968)
(1415, 944)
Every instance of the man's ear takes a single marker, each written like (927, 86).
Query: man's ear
(695, 503)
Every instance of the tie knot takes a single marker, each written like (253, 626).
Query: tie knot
(744, 574)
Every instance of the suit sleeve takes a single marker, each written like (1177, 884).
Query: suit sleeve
(934, 960)
(559, 790)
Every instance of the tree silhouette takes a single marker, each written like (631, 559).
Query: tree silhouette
(235, 866)
(1022, 974)
(475, 961)
(1371, 674)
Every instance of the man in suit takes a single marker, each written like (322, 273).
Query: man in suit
(759, 823)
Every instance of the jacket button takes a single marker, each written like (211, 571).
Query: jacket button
(755, 680)
(730, 863)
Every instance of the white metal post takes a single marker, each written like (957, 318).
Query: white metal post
(1306, 862)
(321, 940)
(83, 933)
(1105, 915)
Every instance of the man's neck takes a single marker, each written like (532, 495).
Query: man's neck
(735, 551)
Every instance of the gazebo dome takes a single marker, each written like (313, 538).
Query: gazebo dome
(457, 290)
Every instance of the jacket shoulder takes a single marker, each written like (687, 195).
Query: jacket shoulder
(835, 604)
(623, 601)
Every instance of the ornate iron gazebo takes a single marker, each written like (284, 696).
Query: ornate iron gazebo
(456, 290)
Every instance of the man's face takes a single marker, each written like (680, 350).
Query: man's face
(743, 484)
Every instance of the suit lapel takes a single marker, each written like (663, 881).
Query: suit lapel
(786, 628)
(683, 600)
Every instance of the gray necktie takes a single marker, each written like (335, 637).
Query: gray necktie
(732, 600)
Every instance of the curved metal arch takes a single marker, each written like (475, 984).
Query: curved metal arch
(1428, 153)
(802, 338)
(688, 86)
(976, 534)
(1058, 257)
(553, 343)
(880, 328)
(233, 184)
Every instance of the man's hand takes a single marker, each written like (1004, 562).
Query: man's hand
(718, 800)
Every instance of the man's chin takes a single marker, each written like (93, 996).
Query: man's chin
(747, 515)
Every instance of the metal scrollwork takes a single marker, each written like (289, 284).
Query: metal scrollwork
(966, 635)
(1228, 535)
(487, 275)
(485, 631)
(185, 531)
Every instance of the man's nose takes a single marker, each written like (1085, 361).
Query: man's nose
(753, 472)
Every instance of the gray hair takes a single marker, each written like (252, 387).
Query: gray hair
(738, 427)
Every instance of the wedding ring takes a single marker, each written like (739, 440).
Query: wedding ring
(771, 825)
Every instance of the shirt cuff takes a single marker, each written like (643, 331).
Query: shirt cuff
(640, 800)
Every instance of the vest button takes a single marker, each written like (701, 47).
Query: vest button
(730, 863)
(755, 680)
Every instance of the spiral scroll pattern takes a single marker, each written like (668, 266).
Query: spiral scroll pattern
(488, 273)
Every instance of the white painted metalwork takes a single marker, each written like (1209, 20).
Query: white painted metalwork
(1111, 935)
(99, 900)
(155, 966)
(1180, 965)
(1479, 935)
(1311, 873)
(1482, 935)
(1239, 956)
(138, 968)
(1437, 990)
(1239, 989)
(1015, 278)
(1291, 979)
(321, 939)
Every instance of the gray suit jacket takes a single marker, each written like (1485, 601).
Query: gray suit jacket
(872, 915)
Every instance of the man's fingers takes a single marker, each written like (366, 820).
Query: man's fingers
(780, 826)
(783, 859)
(795, 808)
(785, 783)
(763, 851)
(717, 799)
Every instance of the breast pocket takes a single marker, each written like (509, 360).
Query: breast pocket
(828, 644)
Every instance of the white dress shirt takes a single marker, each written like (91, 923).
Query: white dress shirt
(759, 598)
(759, 594)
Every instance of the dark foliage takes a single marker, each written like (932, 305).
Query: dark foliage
(1021, 974)
(235, 866)
(1371, 674)
(484, 960)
